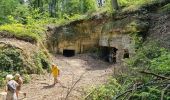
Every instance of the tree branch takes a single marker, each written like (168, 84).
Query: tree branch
(72, 87)
(150, 73)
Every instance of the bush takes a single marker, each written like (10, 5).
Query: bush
(10, 60)
(2, 78)
(41, 62)
(26, 78)
(20, 31)
(164, 9)
(151, 58)
(105, 92)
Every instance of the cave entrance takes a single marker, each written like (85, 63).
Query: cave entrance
(126, 53)
(109, 54)
(68, 53)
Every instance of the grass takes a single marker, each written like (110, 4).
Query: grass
(23, 32)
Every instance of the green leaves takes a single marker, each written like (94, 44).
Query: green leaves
(105, 92)
(6, 8)
(162, 63)
(10, 60)
(157, 59)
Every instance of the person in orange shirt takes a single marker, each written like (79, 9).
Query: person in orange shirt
(55, 72)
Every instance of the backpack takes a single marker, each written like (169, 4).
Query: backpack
(11, 86)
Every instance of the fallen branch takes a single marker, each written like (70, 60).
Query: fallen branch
(163, 91)
(72, 87)
(159, 76)
(86, 97)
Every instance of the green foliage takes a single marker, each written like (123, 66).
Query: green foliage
(26, 78)
(10, 60)
(41, 61)
(133, 5)
(149, 57)
(105, 92)
(89, 5)
(161, 64)
(29, 33)
(2, 78)
(7, 7)
(13, 60)
(20, 14)
(165, 8)
(144, 55)
(153, 57)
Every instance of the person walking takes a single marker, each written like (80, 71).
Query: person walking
(55, 72)
(11, 88)
(19, 80)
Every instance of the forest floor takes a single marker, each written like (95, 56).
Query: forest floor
(78, 74)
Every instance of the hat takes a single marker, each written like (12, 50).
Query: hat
(17, 75)
(9, 77)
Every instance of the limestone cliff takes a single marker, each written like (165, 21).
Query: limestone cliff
(100, 31)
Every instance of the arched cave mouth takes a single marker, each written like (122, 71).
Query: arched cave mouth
(109, 54)
(68, 53)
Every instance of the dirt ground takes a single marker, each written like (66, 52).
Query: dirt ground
(84, 70)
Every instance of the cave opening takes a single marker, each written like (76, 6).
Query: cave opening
(68, 53)
(109, 54)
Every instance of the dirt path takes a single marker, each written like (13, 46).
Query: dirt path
(94, 72)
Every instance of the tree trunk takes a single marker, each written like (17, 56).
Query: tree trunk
(115, 4)
(52, 8)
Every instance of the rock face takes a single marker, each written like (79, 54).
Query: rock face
(103, 32)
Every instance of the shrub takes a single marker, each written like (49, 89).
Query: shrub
(105, 92)
(2, 78)
(165, 8)
(26, 78)
(24, 32)
(10, 60)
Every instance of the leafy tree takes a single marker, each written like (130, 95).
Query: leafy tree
(6, 8)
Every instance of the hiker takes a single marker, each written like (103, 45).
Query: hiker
(19, 80)
(55, 72)
(11, 88)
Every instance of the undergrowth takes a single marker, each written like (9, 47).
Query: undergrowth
(137, 84)
(14, 60)
(165, 9)
(133, 5)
